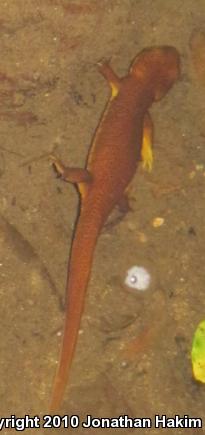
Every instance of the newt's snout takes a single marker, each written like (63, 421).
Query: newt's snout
(159, 67)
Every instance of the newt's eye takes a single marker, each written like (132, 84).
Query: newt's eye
(138, 278)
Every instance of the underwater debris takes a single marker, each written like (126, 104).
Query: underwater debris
(138, 278)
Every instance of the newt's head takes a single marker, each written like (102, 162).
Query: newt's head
(158, 67)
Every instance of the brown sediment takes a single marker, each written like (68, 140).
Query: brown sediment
(74, 8)
(21, 118)
(197, 46)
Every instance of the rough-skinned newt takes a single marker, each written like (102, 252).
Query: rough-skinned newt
(122, 139)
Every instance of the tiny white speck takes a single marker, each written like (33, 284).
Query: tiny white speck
(138, 278)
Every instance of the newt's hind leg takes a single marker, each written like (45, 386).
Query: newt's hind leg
(124, 207)
(112, 78)
(124, 204)
(146, 151)
(80, 177)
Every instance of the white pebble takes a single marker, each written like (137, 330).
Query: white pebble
(138, 278)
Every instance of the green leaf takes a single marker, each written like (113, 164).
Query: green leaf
(198, 353)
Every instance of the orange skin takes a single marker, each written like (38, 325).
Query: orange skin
(122, 139)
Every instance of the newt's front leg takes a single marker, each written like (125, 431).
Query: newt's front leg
(112, 78)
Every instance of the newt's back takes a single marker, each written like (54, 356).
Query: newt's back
(117, 145)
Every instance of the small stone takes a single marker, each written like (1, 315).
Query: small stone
(158, 222)
(199, 167)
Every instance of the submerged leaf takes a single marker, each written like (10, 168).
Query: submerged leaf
(198, 353)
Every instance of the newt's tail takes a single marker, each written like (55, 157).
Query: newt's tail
(80, 264)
